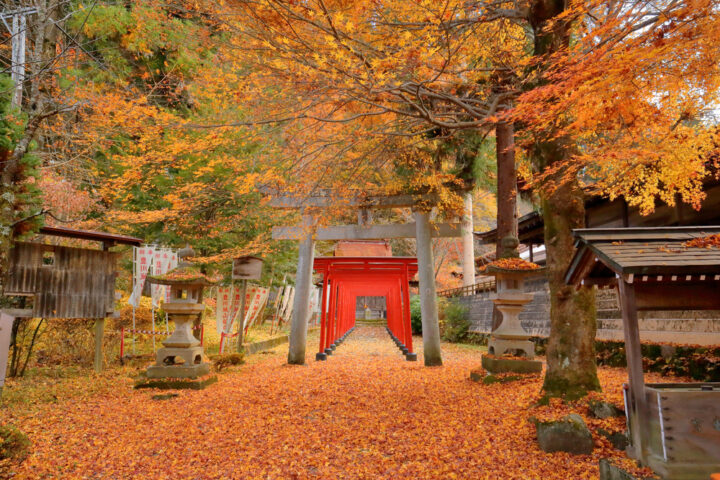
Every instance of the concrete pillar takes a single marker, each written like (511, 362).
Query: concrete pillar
(428, 293)
(468, 260)
(99, 329)
(301, 302)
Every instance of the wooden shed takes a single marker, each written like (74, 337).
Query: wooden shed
(674, 428)
(64, 282)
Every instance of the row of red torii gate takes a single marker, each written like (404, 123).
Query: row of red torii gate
(346, 278)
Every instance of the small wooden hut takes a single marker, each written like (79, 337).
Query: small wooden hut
(64, 282)
(674, 428)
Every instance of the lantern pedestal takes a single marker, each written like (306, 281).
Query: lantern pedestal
(510, 299)
(510, 338)
(182, 356)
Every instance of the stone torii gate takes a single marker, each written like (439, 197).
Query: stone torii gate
(423, 230)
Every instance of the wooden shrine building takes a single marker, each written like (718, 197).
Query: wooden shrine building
(674, 428)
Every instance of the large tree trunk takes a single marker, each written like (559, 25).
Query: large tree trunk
(571, 368)
(506, 184)
(506, 194)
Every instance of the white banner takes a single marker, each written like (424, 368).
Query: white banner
(228, 303)
(172, 265)
(142, 260)
(255, 299)
(288, 299)
(314, 303)
(162, 264)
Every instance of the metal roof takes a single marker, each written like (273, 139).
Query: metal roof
(90, 235)
(607, 252)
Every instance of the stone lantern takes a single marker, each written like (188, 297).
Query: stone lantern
(510, 299)
(182, 355)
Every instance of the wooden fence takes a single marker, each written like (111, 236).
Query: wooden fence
(487, 286)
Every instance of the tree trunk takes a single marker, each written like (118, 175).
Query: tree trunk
(506, 184)
(506, 194)
(571, 368)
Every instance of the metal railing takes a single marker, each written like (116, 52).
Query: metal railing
(487, 286)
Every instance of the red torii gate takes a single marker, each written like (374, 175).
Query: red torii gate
(346, 278)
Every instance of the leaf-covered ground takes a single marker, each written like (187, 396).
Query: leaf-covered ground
(365, 413)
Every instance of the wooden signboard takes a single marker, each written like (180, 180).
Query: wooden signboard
(247, 268)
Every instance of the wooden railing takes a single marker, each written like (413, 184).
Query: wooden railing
(488, 286)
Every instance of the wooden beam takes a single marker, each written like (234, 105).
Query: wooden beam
(365, 232)
(323, 201)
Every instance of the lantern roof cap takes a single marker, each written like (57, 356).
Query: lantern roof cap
(186, 275)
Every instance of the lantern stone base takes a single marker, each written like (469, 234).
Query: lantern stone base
(166, 365)
(176, 383)
(504, 365)
(178, 371)
(501, 346)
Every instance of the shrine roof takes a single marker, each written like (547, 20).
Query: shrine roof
(604, 253)
(90, 235)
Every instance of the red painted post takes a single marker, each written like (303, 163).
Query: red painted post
(323, 306)
(406, 311)
(338, 318)
(331, 313)
(122, 343)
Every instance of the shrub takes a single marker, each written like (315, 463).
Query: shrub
(456, 322)
(14, 444)
(222, 361)
(697, 362)
(415, 316)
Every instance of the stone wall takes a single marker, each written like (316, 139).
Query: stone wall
(689, 327)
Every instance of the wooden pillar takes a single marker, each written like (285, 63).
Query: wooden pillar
(99, 330)
(301, 303)
(6, 324)
(241, 323)
(428, 293)
(638, 414)
(468, 260)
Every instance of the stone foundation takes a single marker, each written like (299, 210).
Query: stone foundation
(688, 327)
